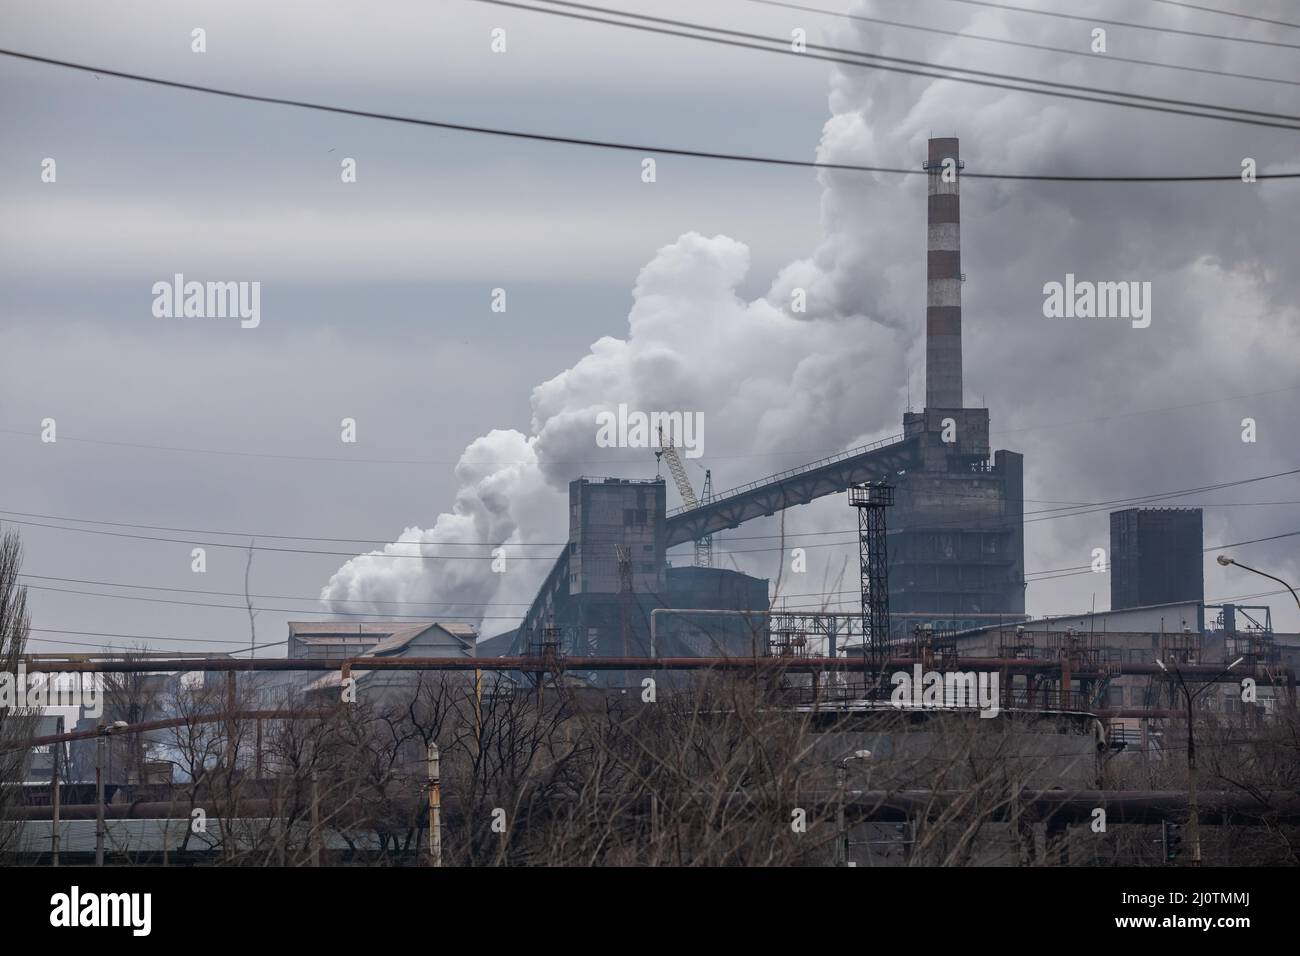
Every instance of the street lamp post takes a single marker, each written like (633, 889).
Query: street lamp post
(841, 784)
(101, 741)
(1193, 808)
(1224, 560)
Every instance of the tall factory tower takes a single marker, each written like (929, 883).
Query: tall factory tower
(956, 537)
(943, 277)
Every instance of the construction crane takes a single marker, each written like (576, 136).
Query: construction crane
(703, 546)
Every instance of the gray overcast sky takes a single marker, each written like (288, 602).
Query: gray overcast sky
(375, 295)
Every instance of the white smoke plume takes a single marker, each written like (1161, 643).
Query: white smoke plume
(786, 381)
(777, 388)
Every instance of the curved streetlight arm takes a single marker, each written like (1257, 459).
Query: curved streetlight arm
(1225, 560)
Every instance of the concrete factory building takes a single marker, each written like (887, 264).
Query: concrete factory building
(598, 598)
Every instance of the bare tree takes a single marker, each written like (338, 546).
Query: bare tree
(16, 724)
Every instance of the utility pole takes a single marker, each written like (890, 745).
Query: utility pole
(101, 745)
(841, 786)
(54, 801)
(315, 821)
(841, 832)
(231, 752)
(99, 794)
(435, 806)
(1193, 808)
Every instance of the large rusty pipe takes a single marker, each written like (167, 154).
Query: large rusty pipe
(1062, 806)
(798, 665)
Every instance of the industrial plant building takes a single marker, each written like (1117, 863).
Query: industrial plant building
(956, 533)
(598, 598)
(955, 536)
(1156, 556)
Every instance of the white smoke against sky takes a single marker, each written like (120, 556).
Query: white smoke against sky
(761, 377)
(767, 380)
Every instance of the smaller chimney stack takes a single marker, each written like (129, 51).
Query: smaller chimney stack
(943, 387)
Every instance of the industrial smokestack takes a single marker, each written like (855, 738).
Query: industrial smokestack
(943, 278)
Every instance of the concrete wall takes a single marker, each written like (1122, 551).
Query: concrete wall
(605, 513)
(956, 532)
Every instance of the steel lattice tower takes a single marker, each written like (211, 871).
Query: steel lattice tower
(871, 500)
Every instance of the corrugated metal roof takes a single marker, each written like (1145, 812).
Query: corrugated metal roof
(380, 629)
(402, 637)
(341, 632)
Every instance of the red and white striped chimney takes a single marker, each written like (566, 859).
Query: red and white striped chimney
(943, 278)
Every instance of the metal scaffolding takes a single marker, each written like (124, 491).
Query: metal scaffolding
(871, 500)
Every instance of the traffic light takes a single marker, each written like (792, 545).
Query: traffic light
(1172, 838)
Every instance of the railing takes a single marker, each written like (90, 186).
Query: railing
(791, 473)
(594, 480)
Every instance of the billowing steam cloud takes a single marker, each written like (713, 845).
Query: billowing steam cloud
(778, 387)
(786, 381)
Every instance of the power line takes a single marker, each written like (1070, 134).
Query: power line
(286, 537)
(1145, 411)
(276, 610)
(1071, 572)
(1054, 512)
(911, 67)
(1229, 13)
(1053, 425)
(1051, 574)
(1108, 58)
(143, 637)
(849, 535)
(1043, 575)
(27, 433)
(183, 640)
(383, 614)
(372, 601)
(674, 151)
(1051, 514)
(270, 597)
(266, 548)
(1043, 514)
(1129, 24)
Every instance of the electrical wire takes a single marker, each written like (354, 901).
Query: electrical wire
(147, 637)
(911, 67)
(674, 151)
(1229, 13)
(958, 34)
(1044, 514)
(1123, 23)
(821, 453)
